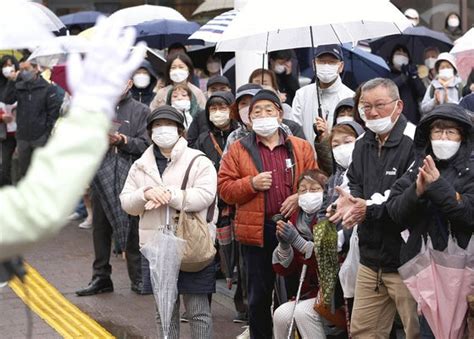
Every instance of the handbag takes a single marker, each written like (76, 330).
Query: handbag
(199, 251)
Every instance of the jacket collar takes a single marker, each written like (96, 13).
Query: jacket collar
(37, 83)
(334, 88)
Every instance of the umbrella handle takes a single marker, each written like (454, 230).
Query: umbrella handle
(167, 217)
(298, 294)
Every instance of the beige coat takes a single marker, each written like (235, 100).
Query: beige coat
(201, 191)
(160, 97)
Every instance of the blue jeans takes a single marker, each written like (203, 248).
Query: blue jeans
(261, 279)
(81, 209)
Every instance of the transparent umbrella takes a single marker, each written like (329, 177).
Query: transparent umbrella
(164, 253)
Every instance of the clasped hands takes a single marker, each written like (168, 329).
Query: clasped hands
(427, 174)
(156, 197)
(348, 209)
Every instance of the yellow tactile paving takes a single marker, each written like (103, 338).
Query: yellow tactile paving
(63, 316)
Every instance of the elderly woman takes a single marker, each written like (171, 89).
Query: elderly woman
(153, 185)
(436, 195)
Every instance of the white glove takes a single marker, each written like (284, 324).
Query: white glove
(99, 79)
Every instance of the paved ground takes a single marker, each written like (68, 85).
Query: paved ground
(65, 262)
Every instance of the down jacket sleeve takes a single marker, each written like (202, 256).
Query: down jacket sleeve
(233, 187)
(132, 197)
(202, 187)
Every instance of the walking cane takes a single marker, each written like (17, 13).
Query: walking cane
(302, 276)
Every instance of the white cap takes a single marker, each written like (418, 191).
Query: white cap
(445, 56)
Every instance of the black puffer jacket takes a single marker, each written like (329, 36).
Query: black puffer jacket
(38, 107)
(439, 208)
(371, 175)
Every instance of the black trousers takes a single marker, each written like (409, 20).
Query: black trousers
(102, 237)
(25, 151)
(260, 283)
(8, 147)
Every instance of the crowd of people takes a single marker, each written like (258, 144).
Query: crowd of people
(390, 163)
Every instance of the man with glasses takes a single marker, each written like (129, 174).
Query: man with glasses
(258, 174)
(380, 157)
(329, 64)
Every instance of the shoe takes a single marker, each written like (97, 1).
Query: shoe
(245, 334)
(241, 318)
(86, 224)
(96, 286)
(138, 288)
(184, 318)
(74, 217)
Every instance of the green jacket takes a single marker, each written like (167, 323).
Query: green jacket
(37, 208)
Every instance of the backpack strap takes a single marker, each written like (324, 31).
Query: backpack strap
(211, 209)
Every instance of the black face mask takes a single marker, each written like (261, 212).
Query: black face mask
(27, 75)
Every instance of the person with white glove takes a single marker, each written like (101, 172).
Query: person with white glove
(38, 206)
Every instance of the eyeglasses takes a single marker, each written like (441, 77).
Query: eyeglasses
(451, 133)
(378, 107)
(267, 110)
(311, 190)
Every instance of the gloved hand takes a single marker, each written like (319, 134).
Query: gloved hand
(287, 234)
(98, 80)
(410, 70)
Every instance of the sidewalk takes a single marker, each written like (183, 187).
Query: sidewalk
(65, 262)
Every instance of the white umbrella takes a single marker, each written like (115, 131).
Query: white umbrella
(275, 25)
(45, 16)
(20, 27)
(55, 51)
(212, 31)
(463, 50)
(213, 5)
(135, 15)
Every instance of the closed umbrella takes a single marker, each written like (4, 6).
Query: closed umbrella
(439, 281)
(164, 253)
(135, 15)
(415, 39)
(83, 18)
(20, 27)
(463, 50)
(163, 32)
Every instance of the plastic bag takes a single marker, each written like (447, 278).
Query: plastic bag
(348, 271)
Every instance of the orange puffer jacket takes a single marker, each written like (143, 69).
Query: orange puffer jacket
(238, 166)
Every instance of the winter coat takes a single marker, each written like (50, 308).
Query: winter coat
(144, 173)
(468, 103)
(305, 105)
(288, 83)
(38, 107)
(239, 165)
(110, 177)
(453, 89)
(197, 127)
(371, 174)
(411, 92)
(162, 95)
(448, 203)
(55, 180)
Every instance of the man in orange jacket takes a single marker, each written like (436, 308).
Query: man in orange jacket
(258, 175)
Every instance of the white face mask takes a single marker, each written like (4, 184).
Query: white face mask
(179, 75)
(327, 73)
(244, 114)
(7, 71)
(182, 105)
(343, 154)
(381, 125)
(362, 113)
(400, 60)
(446, 73)
(279, 69)
(213, 67)
(343, 119)
(430, 63)
(165, 136)
(445, 149)
(141, 80)
(453, 22)
(310, 202)
(219, 118)
(265, 127)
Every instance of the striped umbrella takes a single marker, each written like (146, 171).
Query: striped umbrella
(212, 31)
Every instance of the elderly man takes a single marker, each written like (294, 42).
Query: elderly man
(380, 157)
(258, 175)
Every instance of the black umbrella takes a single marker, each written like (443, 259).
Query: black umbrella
(415, 39)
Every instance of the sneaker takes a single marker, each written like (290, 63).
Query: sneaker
(241, 318)
(86, 224)
(184, 318)
(245, 334)
(74, 217)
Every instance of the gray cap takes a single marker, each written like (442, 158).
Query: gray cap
(165, 112)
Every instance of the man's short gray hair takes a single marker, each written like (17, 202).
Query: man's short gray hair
(382, 82)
